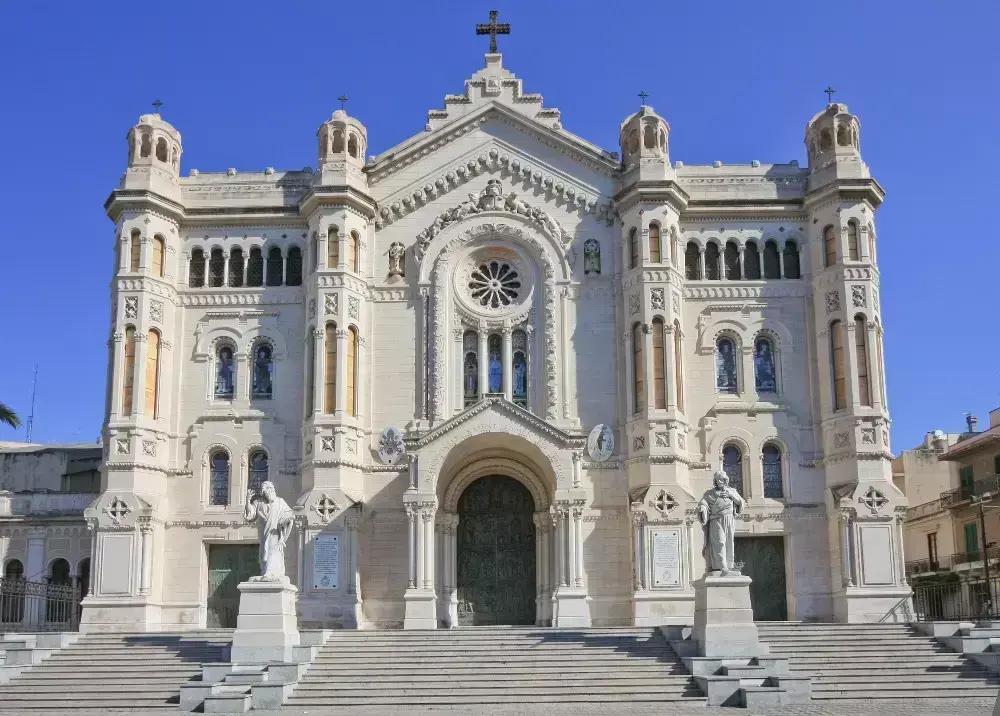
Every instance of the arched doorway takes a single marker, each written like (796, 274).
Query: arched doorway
(496, 553)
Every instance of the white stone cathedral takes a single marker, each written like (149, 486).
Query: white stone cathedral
(496, 289)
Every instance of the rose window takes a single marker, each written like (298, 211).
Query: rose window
(494, 284)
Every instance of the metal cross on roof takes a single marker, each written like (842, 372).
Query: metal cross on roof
(493, 29)
(157, 104)
(643, 96)
(830, 91)
(342, 99)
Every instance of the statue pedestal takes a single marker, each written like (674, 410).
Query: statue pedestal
(723, 617)
(267, 627)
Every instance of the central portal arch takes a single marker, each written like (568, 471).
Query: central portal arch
(496, 553)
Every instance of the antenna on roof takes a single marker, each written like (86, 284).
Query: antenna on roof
(31, 416)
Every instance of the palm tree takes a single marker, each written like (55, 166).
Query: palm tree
(9, 417)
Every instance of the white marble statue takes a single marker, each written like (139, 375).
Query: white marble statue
(718, 510)
(274, 521)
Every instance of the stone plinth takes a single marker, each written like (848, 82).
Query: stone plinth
(723, 617)
(267, 626)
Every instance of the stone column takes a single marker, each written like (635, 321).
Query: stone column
(427, 513)
(639, 551)
(452, 562)
(701, 262)
(846, 566)
(569, 522)
(851, 361)
(225, 269)
(458, 353)
(577, 467)
(139, 386)
(901, 566)
(34, 571)
(538, 518)
(118, 356)
(146, 578)
(630, 407)
(529, 332)
(578, 546)
(748, 382)
(320, 251)
(508, 365)
(421, 581)
(420, 599)
(560, 547)
(352, 524)
(411, 512)
(781, 262)
(743, 271)
(874, 370)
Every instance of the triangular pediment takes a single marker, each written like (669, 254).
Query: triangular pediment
(495, 414)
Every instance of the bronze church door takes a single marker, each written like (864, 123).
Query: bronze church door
(764, 562)
(228, 565)
(496, 553)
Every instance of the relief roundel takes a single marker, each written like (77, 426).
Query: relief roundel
(601, 443)
(494, 280)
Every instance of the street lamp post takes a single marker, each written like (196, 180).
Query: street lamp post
(981, 500)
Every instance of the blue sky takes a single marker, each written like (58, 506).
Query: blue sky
(248, 83)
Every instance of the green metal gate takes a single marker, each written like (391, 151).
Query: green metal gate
(228, 565)
(764, 561)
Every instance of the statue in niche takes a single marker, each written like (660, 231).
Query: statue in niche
(495, 374)
(274, 522)
(591, 257)
(262, 367)
(396, 254)
(717, 511)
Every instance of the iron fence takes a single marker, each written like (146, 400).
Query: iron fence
(957, 601)
(38, 606)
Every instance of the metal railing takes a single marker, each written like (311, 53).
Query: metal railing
(951, 498)
(960, 558)
(957, 601)
(38, 606)
(927, 566)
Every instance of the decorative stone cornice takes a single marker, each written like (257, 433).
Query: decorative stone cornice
(256, 297)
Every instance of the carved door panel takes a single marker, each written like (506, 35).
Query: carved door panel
(764, 562)
(496, 553)
(228, 565)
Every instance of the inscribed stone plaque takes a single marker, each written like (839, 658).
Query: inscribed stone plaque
(326, 561)
(116, 559)
(876, 554)
(666, 557)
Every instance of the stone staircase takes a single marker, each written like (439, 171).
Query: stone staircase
(494, 666)
(875, 661)
(115, 671)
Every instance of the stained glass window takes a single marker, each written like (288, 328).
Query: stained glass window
(495, 364)
(725, 366)
(772, 472)
(159, 248)
(494, 284)
(263, 373)
(654, 243)
(659, 366)
(135, 247)
(332, 248)
(765, 377)
(732, 465)
(354, 253)
(255, 268)
(224, 373)
(219, 484)
(519, 370)
(258, 470)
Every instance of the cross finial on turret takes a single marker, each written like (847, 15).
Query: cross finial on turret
(493, 29)
(830, 91)
(156, 105)
(343, 100)
(643, 96)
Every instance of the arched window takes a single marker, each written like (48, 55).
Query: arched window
(732, 257)
(332, 248)
(134, 250)
(12, 593)
(771, 459)
(236, 266)
(633, 248)
(751, 261)
(59, 573)
(692, 262)
(712, 272)
(649, 137)
(293, 276)
(219, 480)
(519, 371)
(825, 140)
(843, 136)
(83, 577)
(470, 370)
(633, 141)
(145, 146)
(128, 372)
(330, 370)
(161, 149)
(352, 371)
(225, 372)
(152, 374)
(58, 606)
(216, 268)
(494, 364)
(255, 268)
(263, 372)
(275, 267)
(861, 346)
(678, 366)
(791, 255)
(338, 140)
(765, 376)
(638, 370)
(853, 250)
(159, 248)
(659, 366)
(725, 366)
(837, 361)
(654, 243)
(830, 246)
(354, 253)
(310, 372)
(196, 269)
(258, 470)
(352, 146)
(732, 465)
(772, 266)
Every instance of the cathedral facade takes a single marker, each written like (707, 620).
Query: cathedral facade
(494, 369)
